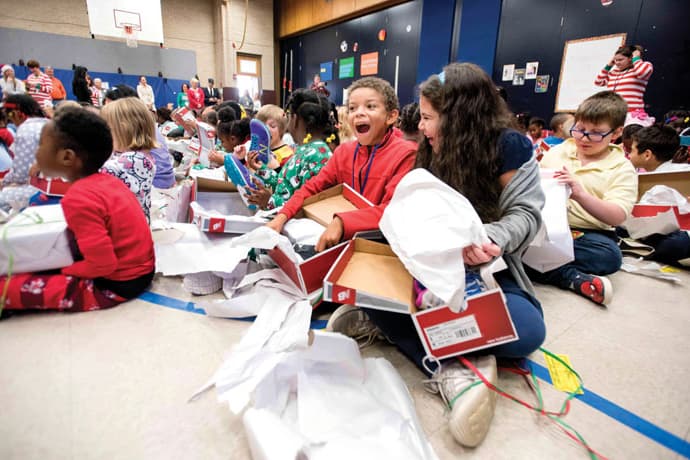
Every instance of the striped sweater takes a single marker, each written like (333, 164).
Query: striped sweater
(630, 83)
(40, 87)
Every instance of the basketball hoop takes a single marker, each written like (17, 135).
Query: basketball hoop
(130, 35)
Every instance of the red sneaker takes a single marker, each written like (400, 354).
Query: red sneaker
(598, 289)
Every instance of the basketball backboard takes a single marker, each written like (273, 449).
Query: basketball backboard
(114, 18)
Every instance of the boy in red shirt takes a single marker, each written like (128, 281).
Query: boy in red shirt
(373, 164)
(116, 260)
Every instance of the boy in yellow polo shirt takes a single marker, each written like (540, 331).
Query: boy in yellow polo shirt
(603, 191)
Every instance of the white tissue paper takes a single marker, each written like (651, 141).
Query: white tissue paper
(664, 195)
(193, 251)
(552, 247)
(334, 405)
(318, 401)
(427, 224)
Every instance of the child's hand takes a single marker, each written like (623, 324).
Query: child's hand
(216, 157)
(332, 235)
(278, 222)
(34, 170)
(475, 255)
(253, 161)
(565, 177)
(240, 152)
(259, 196)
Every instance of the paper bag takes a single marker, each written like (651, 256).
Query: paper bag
(553, 245)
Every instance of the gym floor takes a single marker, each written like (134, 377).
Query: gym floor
(114, 384)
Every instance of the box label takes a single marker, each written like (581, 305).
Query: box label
(343, 294)
(453, 332)
(216, 225)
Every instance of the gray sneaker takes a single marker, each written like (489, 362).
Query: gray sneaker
(472, 403)
(355, 323)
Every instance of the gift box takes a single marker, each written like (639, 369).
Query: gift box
(679, 180)
(217, 207)
(369, 274)
(308, 275)
(172, 204)
(35, 240)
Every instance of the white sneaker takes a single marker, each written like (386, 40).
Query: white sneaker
(355, 323)
(472, 403)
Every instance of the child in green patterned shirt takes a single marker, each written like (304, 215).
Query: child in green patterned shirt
(309, 125)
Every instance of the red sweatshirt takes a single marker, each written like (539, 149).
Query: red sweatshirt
(110, 229)
(393, 159)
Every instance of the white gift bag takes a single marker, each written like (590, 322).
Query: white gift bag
(553, 245)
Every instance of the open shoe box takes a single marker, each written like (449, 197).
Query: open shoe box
(369, 274)
(342, 198)
(652, 210)
(221, 196)
(321, 208)
(679, 180)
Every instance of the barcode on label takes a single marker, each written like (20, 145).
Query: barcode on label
(453, 332)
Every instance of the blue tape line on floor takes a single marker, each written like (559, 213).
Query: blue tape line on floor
(603, 405)
(177, 304)
(616, 412)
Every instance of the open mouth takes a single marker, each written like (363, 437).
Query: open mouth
(362, 129)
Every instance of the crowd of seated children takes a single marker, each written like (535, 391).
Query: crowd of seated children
(309, 123)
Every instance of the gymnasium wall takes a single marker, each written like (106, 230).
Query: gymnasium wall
(535, 30)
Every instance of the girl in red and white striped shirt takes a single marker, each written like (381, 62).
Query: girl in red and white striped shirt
(628, 78)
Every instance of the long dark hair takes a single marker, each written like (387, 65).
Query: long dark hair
(472, 117)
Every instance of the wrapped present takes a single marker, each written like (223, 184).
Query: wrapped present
(35, 240)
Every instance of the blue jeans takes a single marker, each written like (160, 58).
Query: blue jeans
(524, 309)
(669, 249)
(596, 253)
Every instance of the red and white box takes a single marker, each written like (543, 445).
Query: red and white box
(217, 207)
(53, 186)
(653, 210)
(307, 275)
(369, 274)
(321, 208)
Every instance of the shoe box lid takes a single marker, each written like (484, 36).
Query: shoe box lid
(309, 274)
(369, 274)
(342, 198)
(679, 180)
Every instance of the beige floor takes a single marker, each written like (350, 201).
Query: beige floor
(114, 384)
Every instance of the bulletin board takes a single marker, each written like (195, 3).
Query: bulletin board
(582, 61)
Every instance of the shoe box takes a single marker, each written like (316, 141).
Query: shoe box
(369, 274)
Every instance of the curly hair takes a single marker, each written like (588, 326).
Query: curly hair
(382, 87)
(472, 117)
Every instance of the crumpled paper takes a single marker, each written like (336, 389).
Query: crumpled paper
(183, 248)
(664, 195)
(427, 224)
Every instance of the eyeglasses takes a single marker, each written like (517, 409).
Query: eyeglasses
(594, 137)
